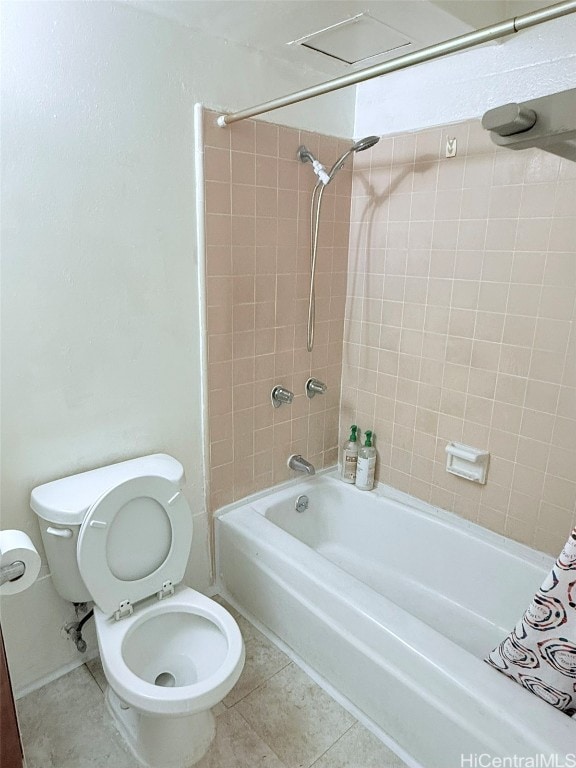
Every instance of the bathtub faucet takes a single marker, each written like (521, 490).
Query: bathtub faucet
(299, 464)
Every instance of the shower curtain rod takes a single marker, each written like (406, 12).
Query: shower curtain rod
(469, 40)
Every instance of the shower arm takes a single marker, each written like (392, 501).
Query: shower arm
(460, 43)
(307, 157)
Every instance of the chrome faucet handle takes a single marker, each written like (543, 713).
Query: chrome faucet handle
(315, 387)
(281, 395)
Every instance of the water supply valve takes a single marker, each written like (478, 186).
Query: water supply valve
(281, 395)
(315, 387)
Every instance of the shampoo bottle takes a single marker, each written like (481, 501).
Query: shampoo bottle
(350, 457)
(366, 464)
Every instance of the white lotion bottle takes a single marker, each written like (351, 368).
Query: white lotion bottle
(366, 464)
(349, 457)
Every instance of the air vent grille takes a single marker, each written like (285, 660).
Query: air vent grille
(356, 39)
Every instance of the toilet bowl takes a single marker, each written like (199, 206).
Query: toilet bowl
(171, 659)
(174, 657)
(121, 536)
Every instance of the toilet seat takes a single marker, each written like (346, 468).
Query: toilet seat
(134, 542)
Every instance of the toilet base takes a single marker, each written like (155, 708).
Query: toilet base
(162, 741)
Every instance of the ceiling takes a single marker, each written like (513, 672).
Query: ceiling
(278, 27)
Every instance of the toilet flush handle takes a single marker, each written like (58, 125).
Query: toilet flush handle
(61, 533)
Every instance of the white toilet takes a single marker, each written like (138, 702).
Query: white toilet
(121, 536)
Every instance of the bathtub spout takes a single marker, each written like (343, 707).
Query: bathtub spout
(299, 464)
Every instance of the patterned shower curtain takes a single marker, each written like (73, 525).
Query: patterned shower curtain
(540, 652)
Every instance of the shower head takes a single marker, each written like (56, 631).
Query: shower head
(306, 156)
(358, 146)
(365, 143)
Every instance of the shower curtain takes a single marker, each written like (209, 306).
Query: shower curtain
(540, 652)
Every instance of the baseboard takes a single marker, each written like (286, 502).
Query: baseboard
(19, 693)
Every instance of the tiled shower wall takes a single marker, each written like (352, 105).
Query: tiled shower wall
(257, 265)
(459, 326)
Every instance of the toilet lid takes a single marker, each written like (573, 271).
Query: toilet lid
(134, 538)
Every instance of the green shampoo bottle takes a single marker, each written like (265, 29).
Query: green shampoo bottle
(350, 457)
(366, 464)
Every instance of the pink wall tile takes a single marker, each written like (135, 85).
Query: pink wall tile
(258, 238)
(457, 279)
(459, 325)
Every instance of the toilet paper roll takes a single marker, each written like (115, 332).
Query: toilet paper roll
(16, 545)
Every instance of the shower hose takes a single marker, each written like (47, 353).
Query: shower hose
(315, 207)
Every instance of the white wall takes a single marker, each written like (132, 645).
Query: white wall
(463, 86)
(100, 349)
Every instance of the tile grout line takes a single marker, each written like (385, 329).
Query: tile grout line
(333, 744)
(92, 675)
(260, 685)
(261, 739)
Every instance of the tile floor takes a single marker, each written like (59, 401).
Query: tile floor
(275, 717)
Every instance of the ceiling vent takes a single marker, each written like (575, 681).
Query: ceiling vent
(354, 40)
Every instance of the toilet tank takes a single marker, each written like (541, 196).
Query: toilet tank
(61, 506)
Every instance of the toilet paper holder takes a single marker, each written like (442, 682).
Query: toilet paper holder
(12, 572)
(19, 562)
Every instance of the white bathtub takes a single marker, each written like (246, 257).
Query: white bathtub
(394, 607)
